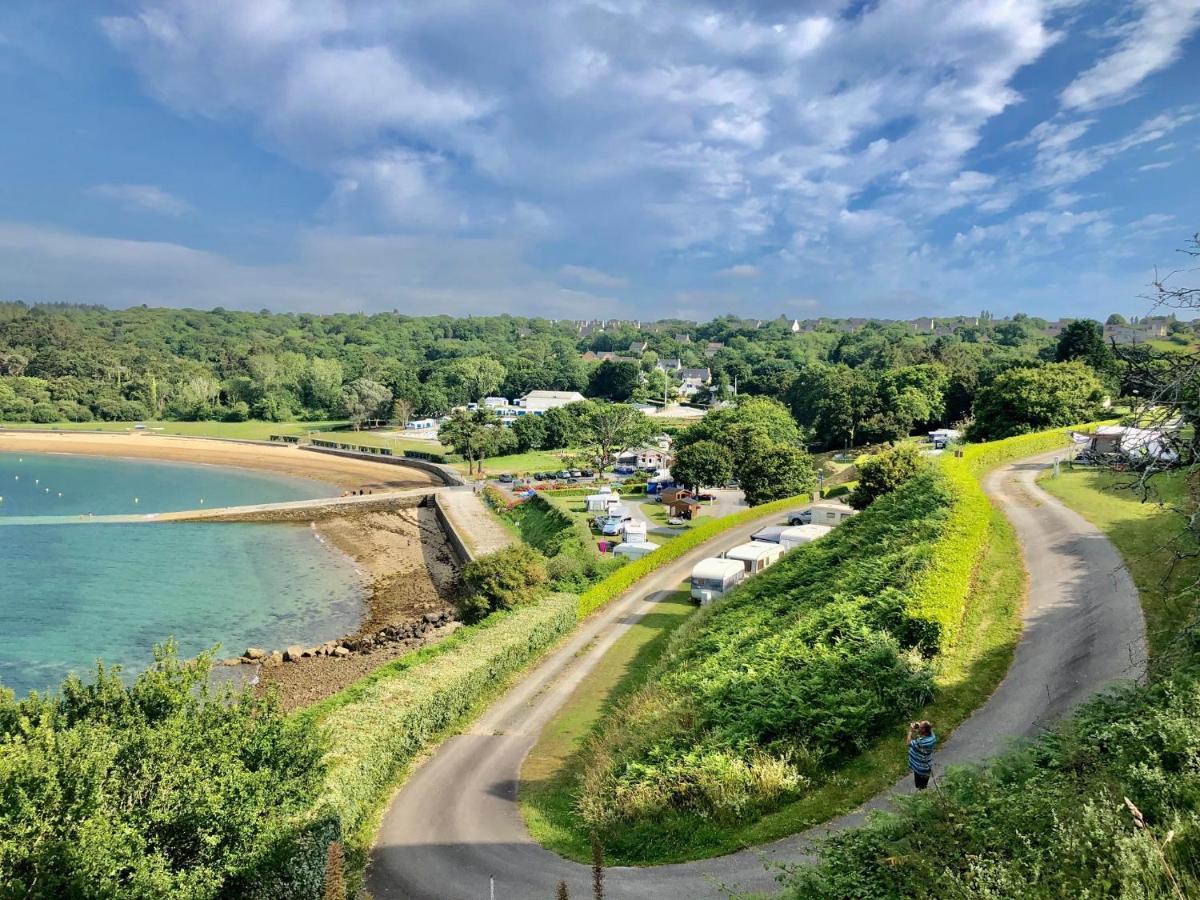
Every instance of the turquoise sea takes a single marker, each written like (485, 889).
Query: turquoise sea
(71, 593)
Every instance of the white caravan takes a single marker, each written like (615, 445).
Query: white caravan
(711, 578)
(756, 555)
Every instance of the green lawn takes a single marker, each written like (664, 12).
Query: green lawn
(523, 463)
(1142, 532)
(969, 672)
(253, 430)
(549, 773)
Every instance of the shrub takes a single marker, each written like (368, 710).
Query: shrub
(501, 580)
(162, 787)
(43, 413)
(884, 472)
(776, 471)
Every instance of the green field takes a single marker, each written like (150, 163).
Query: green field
(1143, 533)
(254, 430)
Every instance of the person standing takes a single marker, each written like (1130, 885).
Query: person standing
(921, 741)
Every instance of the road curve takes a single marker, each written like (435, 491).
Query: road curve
(455, 824)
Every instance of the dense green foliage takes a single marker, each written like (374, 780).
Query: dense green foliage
(702, 464)
(772, 471)
(501, 580)
(1032, 399)
(884, 472)
(1049, 820)
(763, 693)
(157, 788)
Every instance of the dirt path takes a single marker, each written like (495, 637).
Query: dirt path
(456, 824)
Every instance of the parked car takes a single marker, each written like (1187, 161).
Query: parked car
(804, 517)
(705, 498)
(625, 470)
(539, 476)
(674, 520)
(575, 473)
(587, 473)
(505, 478)
(564, 474)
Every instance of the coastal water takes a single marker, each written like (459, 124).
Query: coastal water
(73, 593)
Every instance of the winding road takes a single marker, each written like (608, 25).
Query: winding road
(455, 824)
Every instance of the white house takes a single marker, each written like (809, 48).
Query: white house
(644, 458)
(495, 402)
(421, 425)
(695, 380)
(537, 402)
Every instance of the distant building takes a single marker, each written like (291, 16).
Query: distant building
(495, 402)
(668, 365)
(695, 380)
(683, 338)
(795, 326)
(637, 348)
(537, 402)
(713, 348)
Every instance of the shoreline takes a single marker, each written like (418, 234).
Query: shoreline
(285, 459)
(408, 570)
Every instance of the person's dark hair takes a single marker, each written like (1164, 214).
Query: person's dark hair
(925, 727)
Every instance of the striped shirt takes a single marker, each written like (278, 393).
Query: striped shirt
(920, 754)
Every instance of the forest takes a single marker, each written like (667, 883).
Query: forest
(882, 381)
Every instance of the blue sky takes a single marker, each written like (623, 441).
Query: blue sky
(599, 157)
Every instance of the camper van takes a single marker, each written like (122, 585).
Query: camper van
(711, 578)
(756, 555)
(634, 549)
(634, 531)
(831, 513)
(802, 534)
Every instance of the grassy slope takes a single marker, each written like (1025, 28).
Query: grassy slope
(549, 773)
(969, 673)
(1141, 532)
(254, 430)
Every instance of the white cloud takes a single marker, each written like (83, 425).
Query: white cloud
(1149, 167)
(741, 270)
(1145, 46)
(593, 277)
(142, 198)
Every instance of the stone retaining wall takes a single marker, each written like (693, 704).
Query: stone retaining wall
(311, 512)
(461, 550)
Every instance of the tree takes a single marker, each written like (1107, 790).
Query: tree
(1116, 319)
(473, 434)
(1083, 340)
(740, 427)
(402, 411)
(702, 464)
(501, 580)
(614, 427)
(884, 472)
(616, 381)
(1030, 399)
(833, 401)
(364, 400)
(775, 472)
(530, 432)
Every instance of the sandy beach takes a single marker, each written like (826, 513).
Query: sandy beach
(406, 560)
(285, 459)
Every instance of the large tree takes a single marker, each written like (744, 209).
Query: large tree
(702, 464)
(773, 472)
(1083, 340)
(616, 381)
(364, 400)
(611, 428)
(1029, 399)
(741, 426)
(474, 435)
(884, 472)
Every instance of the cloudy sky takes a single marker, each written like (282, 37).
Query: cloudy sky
(599, 157)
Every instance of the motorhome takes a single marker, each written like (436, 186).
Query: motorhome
(635, 549)
(756, 555)
(802, 534)
(831, 513)
(712, 578)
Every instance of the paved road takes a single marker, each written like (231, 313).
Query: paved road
(456, 822)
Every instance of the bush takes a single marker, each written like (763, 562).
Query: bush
(43, 413)
(501, 580)
(883, 473)
(160, 788)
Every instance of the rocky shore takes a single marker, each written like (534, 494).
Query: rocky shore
(411, 575)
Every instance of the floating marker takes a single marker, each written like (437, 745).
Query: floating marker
(135, 499)
(36, 480)
(59, 494)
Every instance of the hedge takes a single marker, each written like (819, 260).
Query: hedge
(379, 724)
(624, 578)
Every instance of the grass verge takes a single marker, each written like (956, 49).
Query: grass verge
(552, 767)
(1143, 532)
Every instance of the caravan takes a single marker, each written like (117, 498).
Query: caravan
(802, 534)
(712, 578)
(756, 555)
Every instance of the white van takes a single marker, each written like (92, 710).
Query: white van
(802, 534)
(756, 555)
(634, 549)
(712, 578)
